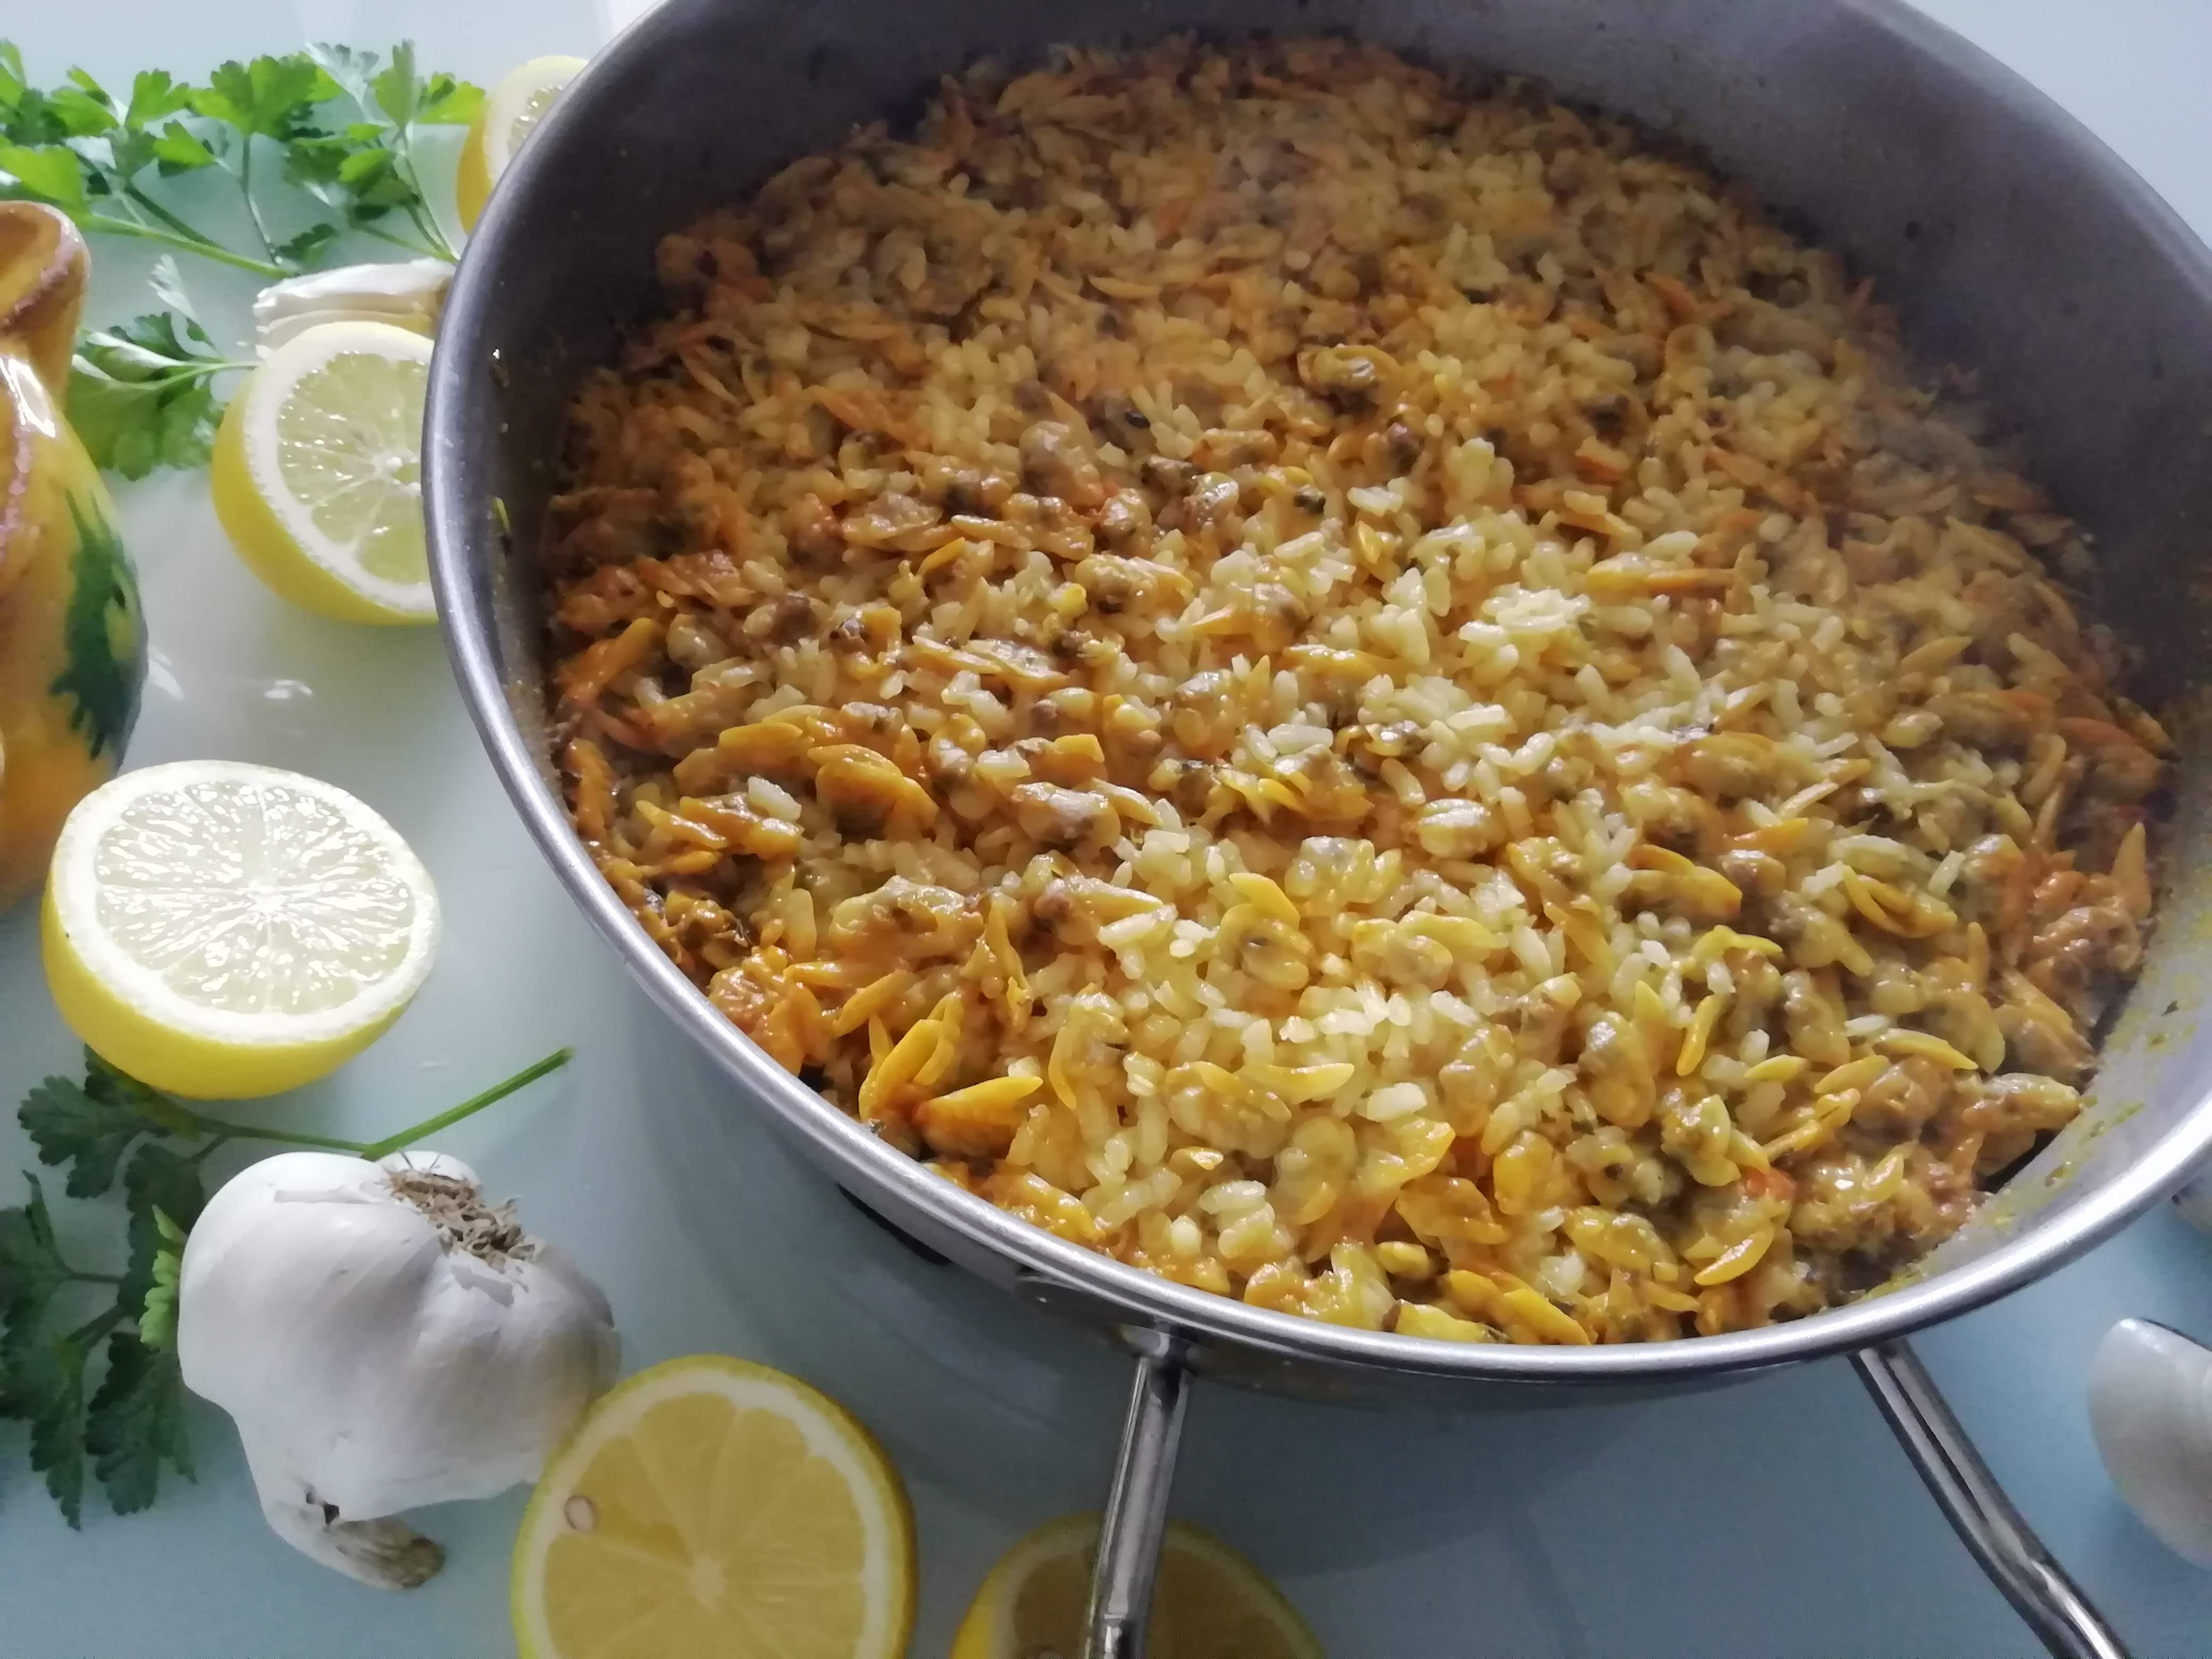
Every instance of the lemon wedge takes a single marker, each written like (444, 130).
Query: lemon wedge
(221, 930)
(1209, 1602)
(316, 473)
(510, 110)
(710, 1509)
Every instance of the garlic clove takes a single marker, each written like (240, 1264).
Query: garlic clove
(411, 295)
(385, 1553)
(2150, 1410)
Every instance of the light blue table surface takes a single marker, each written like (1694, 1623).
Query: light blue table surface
(1773, 1518)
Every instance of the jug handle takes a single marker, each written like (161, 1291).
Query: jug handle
(44, 267)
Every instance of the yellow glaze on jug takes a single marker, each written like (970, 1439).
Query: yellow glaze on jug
(72, 642)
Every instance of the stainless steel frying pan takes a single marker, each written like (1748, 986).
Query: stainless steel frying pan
(2008, 236)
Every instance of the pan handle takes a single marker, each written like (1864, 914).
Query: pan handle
(1137, 1502)
(1996, 1534)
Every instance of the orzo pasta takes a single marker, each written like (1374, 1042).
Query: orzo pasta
(1380, 701)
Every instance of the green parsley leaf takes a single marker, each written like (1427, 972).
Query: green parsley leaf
(175, 149)
(42, 1380)
(69, 1125)
(45, 1384)
(168, 285)
(142, 396)
(31, 1268)
(45, 173)
(396, 89)
(447, 101)
(364, 170)
(135, 1422)
(85, 109)
(137, 1416)
(147, 348)
(25, 116)
(132, 428)
(154, 95)
(104, 633)
(303, 249)
(269, 98)
(91, 1125)
(351, 71)
(157, 1182)
(157, 1316)
(111, 148)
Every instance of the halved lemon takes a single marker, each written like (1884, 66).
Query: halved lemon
(1210, 1602)
(510, 110)
(710, 1509)
(221, 930)
(316, 473)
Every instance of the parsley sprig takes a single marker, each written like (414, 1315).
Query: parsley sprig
(316, 143)
(365, 170)
(124, 1429)
(342, 129)
(142, 394)
(81, 150)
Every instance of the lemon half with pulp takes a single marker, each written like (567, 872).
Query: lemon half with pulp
(1209, 1602)
(510, 111)
(317, 469)
(710, 1509)
(221, 930)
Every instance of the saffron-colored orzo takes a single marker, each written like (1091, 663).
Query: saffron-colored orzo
(1377, 700)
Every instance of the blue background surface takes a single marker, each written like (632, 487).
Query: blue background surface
(1772, 1518)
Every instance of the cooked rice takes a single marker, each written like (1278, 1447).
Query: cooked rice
(1381, 701)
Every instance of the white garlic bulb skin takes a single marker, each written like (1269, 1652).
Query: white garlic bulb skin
(372, 1363)
(411, 293)
(2150, 1410)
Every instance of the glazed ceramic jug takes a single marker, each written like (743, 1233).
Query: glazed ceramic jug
(72, 642)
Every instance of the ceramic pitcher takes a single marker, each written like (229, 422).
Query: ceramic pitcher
(72, 641)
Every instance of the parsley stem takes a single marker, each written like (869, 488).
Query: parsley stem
(96, 1326)
(206, 249)
(372, 1150)
(431, 234)
(403, 144)
(224, 1131)
(196, 370)
(244, 176)
(145, 204)
(76, 1278)
(423, 248)
(522, 1078)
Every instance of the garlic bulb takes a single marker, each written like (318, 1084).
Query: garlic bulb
(2150, 1409)
(383, 1338)
(411, 294)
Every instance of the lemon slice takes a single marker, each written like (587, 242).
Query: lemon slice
(510, 110)
(708, 1509)
(221, 930)
(317, 474)
(1210, 1602)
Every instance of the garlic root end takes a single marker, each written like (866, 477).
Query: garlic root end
(385, 1553)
